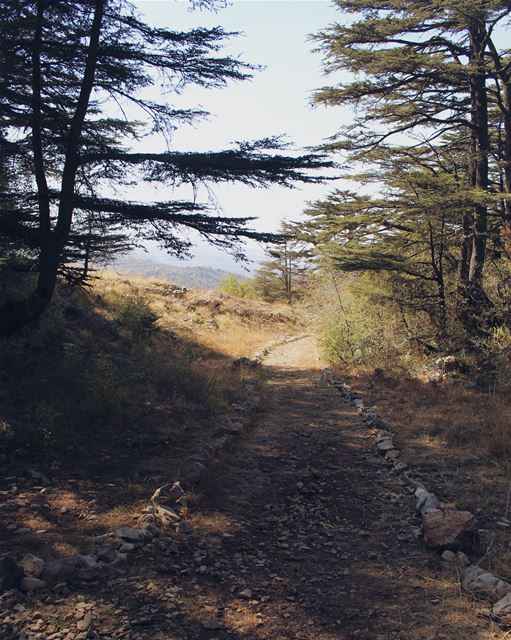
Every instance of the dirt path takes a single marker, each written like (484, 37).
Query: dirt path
(301, 533)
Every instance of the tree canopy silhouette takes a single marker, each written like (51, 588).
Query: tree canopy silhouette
(74, 106)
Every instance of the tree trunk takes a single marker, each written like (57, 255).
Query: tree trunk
(479, 161)
(503, 73)
(15, 314)
(474, 302)
(466, 250)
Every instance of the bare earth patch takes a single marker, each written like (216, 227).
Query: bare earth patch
(300, 532)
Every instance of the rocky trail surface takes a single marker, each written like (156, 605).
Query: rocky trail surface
(301, 532)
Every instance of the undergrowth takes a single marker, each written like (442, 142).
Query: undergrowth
(92, 367)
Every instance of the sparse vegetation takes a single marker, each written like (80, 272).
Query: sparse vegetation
(120, 382)
(91, 367)
(99, 359)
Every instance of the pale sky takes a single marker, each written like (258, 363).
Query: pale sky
(276, 101)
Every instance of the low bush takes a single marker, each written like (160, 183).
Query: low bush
(357, 331)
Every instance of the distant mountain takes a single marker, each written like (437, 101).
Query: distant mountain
(186, 276)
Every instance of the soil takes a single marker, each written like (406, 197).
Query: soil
(299, 532)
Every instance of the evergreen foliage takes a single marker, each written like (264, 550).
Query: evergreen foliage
(73, 109)
(237, 287)
(432, 134)
(282, 275)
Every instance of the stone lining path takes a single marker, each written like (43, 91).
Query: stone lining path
(300, 533)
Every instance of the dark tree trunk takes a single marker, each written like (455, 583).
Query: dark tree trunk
(15, 314)
(466, 250)
(479, 161)
(474, 303)
(506, 104)
(503, 73)
(437, 265)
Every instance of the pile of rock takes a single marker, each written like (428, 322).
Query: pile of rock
(175, 290)
(111, 554)
(245, 363)
(450, 531)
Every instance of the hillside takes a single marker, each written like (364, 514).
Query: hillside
(116, 384)
(124, 389)
(196, 277)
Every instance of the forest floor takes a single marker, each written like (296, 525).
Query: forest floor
(299, 532)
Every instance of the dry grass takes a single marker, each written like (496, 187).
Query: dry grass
(468, 422)
(222, 324)
(161, 362)
(459, 441)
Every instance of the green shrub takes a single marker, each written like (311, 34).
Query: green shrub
(132, 311)
(355, 328)
(237, 287)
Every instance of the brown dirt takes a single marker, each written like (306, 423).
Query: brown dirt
(301, 532)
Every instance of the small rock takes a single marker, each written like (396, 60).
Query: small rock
(399, 467)
(106, 553)
(449, 529)
(61, 569)
(479, 582)
(385, 444)
(84, 623)
(151, 530)
(37, 475)
(167, 494)
(426, 501)
(89, 567)
(183, 527)
(246, 594)
(29, 583)
(167, 514)
(84, 567)
(130, 534)
(23, 531)
(32, 565)
(458, 559)
(448, 556)
(120, 562)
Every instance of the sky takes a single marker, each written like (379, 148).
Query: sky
(276, 101)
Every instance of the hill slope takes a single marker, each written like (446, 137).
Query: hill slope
(196, 277)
